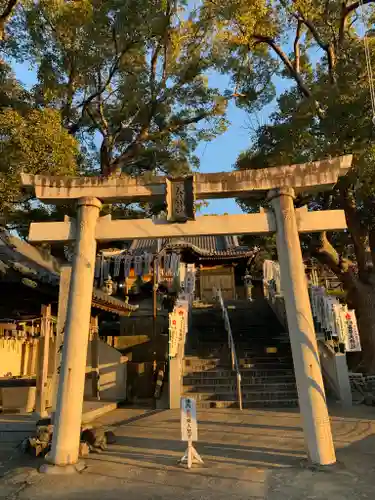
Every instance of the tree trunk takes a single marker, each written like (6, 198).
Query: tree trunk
(361, 297)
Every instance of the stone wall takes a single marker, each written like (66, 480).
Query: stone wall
(113, 373)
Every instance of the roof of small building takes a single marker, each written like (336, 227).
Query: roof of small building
(21, 257)
(205, 246)
(17, 257)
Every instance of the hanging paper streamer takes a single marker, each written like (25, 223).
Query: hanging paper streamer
(117, 265)
(175, 264)
(167, 263)
(138, 265)
(127, 265)
(101, 270)
(97, 268)
(189, 285)
(147, 257)
(106, 266)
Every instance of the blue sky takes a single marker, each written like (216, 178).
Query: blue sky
(220, 154)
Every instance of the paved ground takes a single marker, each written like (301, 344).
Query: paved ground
(248, 455)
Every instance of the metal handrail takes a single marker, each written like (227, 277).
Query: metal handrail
(235, 366)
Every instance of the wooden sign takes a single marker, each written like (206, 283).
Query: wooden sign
(189, 427)
(180, 199)
(189, 432)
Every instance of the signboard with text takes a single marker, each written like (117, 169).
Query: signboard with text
(189, 426)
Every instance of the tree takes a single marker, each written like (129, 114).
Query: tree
(129, 75)
(127, 79)
(327, 113)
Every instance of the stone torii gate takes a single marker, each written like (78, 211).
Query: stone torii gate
(279, 185)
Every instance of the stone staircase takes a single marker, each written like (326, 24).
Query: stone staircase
(267, 374)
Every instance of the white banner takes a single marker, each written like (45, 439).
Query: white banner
(173, 335)
(332, 317)
(353, 343)
(189, 426)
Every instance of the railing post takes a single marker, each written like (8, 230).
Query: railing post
(235, 367)
(239, 390)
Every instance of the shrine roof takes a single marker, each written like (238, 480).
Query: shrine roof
(21, 261)
(20, 257)
(205, 246)
(101, 300)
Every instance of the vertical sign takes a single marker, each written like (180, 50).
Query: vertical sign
(182, 314)
(173, 334)
(189, 427)
(353, 343)
(180, 199)
(189, 432)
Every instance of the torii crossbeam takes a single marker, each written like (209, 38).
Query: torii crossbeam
(278, 184)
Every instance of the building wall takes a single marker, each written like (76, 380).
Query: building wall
(112, 370)
(217, 277)
(19, 357)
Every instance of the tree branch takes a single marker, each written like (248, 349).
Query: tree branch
(355, 5)
(297, 51)
(328, 255)
(4, 17)
(288, 63)
(8, 10)
(285, 59)
(112, 72)
(346, 10)
(133, 148)
(327, 47)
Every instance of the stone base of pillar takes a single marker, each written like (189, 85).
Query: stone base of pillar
(59, 470)
(309, 465)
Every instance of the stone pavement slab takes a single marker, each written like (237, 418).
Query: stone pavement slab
(248, 455)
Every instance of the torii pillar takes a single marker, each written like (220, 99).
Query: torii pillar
(311, 394)
(286, 222)
(67, 425)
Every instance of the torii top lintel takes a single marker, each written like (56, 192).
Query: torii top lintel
(303, 177)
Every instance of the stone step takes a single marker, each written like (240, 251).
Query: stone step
(265, 366)
(264, 357)
(231, 386)
(197, 380)
(201, 365)
(246, 396)
(245, 373)
(292, 403)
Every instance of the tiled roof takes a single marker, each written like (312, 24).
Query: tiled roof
(19, 256)
(205, 246)
(106, 302)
